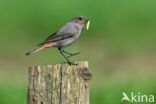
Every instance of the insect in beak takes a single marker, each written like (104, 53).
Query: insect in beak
(87, 26)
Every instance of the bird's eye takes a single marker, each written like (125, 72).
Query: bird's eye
(80, 18)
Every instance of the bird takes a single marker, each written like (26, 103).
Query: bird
(64, 37)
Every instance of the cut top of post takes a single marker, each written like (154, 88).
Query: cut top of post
(59, 84)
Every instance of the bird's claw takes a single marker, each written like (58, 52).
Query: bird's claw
(73, 54)
(70, 63)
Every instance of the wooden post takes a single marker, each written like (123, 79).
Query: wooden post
(59, 84)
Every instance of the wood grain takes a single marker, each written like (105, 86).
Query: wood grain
(59, 84)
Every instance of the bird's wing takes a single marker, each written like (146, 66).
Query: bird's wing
(56, 37)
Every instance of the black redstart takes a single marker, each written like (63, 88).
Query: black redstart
(64, 37)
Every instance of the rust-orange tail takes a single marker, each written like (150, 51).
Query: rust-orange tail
(39, 48)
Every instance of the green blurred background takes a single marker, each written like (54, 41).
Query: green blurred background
(120, 45)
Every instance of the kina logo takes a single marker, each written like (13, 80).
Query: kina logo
(138, 97)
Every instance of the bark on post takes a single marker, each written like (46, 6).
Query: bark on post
(59, 84)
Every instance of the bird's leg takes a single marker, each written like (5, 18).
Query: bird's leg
(71, 54)
(61, 51)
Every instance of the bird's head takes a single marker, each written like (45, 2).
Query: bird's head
(81, 20)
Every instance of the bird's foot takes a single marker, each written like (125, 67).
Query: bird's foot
(73, 54)
(71, 63)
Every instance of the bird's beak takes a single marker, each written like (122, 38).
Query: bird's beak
(85, 20)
